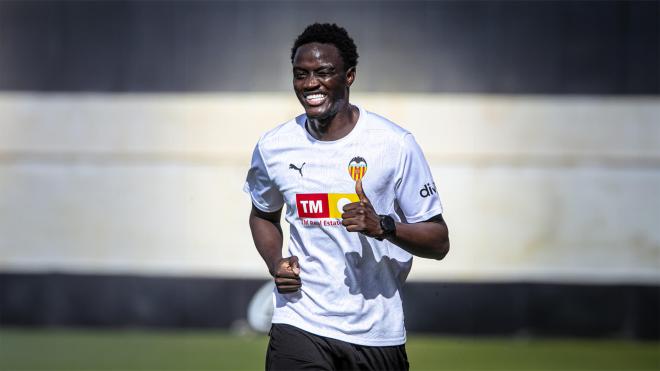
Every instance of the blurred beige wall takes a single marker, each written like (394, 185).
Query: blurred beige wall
(544, 188)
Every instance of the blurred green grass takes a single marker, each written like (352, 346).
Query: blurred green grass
(34, 349)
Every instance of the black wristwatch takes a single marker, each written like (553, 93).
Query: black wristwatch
(388, 226)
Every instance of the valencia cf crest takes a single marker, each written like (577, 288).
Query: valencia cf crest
(357, 168)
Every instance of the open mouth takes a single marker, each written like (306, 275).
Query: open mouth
(315, 99)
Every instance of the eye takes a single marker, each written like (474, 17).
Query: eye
(325, 73)
(299, 75)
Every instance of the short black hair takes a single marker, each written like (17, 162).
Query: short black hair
(327, 33)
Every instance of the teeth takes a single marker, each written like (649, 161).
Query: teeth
(315, 96)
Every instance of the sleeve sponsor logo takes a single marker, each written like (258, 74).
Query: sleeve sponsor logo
(428, 190)
(323, 205)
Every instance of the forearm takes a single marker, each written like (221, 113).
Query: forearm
(267, 236)
(425, 239)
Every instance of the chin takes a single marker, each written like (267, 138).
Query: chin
(312, 114)
(319, 112)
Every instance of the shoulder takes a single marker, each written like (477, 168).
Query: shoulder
(378, 122)
(380, 126)
(279, 135)
(394, 137)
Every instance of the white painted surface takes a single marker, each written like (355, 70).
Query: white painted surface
(535, 188)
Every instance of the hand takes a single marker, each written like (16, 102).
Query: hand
(361, 216)
(287, 275)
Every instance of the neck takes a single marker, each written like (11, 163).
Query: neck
(336, 126)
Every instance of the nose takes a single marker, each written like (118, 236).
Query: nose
(311, 82)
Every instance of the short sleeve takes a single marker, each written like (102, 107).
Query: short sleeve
(259, 185)
(416, 192)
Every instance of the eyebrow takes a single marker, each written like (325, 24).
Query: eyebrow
(328, 65)
(322, 68)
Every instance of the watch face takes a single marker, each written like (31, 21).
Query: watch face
(387, 224)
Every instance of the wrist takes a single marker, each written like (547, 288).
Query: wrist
(273, 265)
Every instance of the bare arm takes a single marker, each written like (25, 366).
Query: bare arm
(267, 236)
(428, 239)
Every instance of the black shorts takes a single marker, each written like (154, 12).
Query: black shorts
(291, 348)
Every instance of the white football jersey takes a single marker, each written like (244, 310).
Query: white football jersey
(350, 283)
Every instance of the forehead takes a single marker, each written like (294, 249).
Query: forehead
(317, 54)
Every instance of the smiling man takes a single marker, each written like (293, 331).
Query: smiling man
(360, 200)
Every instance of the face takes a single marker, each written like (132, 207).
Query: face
(320, 81)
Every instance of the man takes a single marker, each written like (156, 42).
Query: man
(360, 200)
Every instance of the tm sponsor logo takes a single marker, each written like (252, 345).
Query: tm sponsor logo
(322, 205)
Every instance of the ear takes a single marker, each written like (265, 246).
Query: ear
(350, 76)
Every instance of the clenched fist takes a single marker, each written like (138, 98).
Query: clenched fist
(286, 274)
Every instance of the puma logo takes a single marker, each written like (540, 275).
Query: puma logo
(294, 167)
